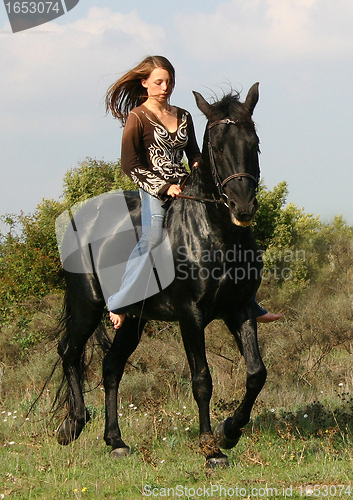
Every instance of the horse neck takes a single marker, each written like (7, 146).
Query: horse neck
(202, 178)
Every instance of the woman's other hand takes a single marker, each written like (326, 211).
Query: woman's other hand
(174, 190)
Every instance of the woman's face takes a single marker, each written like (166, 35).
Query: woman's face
(158, 84)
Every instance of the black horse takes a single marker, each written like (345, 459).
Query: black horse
(217, 273)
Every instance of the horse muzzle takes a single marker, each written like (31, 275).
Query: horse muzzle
(242, 216)
(239, 223)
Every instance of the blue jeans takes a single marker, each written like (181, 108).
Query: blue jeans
(139, 263)
(259, 311)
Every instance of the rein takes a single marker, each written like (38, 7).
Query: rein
(219, 183)
(194, 198)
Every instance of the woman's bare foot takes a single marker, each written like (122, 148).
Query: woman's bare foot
(268, 318)
(117, 319)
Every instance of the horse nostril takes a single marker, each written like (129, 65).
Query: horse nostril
(232, 205)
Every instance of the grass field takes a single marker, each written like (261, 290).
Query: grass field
(293, 447)
(272, 460)
(298, 444)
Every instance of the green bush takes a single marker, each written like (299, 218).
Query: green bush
(29, 259)
(92, 178)
(268, 214)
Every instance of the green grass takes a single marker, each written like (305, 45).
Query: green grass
(272, 458)
(300, 435)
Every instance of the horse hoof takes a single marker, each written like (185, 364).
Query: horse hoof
(214, 463)
(68, 432)
(70, 429)
(120, 452)
(222, 440)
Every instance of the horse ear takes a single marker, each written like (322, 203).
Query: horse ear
(252, 98)
(202, 104)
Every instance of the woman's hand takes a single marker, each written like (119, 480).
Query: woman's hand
(174, 190)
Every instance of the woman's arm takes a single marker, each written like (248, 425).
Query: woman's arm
(133, 162)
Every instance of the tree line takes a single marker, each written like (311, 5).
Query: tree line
(298, 249)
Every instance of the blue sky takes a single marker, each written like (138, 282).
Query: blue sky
(54, 76)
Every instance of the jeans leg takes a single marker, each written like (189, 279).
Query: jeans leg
(134, 279)
(259, 311)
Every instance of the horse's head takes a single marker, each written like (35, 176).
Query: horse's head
(231, 146)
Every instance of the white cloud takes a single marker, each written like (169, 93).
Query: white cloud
(271, 29)
(53, 81)
(65, 64)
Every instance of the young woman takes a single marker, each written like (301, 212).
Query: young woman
(156, 135)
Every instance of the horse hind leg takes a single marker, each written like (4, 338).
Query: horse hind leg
(228, 432)
(81, 324)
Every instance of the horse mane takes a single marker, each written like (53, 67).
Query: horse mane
(229, 106)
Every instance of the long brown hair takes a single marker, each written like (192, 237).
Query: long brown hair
(128, 92)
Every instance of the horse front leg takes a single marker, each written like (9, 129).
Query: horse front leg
(192, 330)
(228, 432)
(124, 344)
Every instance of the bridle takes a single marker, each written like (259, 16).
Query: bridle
(216, 177)
(218, 181)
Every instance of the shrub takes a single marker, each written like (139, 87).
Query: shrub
(92, 178)
(29, 260)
